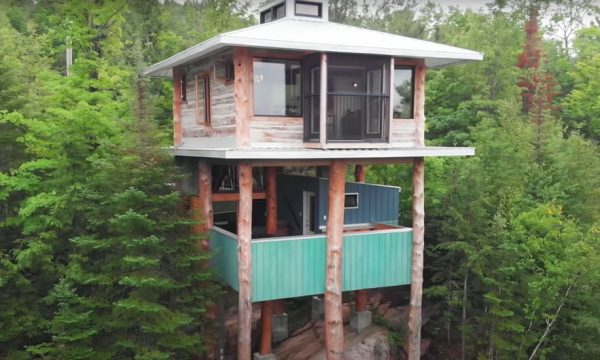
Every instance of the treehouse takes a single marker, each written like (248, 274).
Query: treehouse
(297, 94)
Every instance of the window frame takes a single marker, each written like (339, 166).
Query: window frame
(412, 68)
(206, 98)
(281, 61)
(357, 200)
(273, 12)
(318, 5)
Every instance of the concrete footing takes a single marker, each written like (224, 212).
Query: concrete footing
(317, 309)
(269, 356)
(279, 327)
(360, 320)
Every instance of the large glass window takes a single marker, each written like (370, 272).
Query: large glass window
(277, 87)
(403, 92)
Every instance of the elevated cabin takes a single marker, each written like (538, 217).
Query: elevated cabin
(296, 92)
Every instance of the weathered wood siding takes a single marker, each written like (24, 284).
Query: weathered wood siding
(403, 132)
(276, 131)
(222, 107)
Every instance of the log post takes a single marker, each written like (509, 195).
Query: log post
(177, 130)
(271, 199)
(265, 322)
(205, 195)
(243, 95)
(266, 314)
(360, 303)
(334, 327)
(244, 233)
(323, 102)
(416, 284)
(420, 105)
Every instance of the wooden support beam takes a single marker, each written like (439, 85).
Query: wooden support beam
(244, 233)
(271, 197)
(266, 317)
(334, 327)
(177, 129)
(420, 104)
(360, 301)
(416, 285)
(244, 107)
(323, 102)
(217, 197)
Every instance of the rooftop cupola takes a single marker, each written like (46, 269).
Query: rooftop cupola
(315, 10)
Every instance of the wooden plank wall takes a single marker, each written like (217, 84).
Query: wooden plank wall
(222, 109)
(276, 131)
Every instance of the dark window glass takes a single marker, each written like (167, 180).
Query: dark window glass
(277, 90)
(279, 11)
(229, 71)
(183, 85)
(351, 201)
(308, 8)
(273, 13)
(403, 93)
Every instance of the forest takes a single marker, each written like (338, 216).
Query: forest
(98, 257)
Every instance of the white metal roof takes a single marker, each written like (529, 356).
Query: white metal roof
(306, 35)
(319, 154)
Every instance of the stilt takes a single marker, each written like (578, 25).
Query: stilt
(244, 233)
(416, 286)
(266, 315)
(361, 317)
(205, 197)
(334, 327)
(265, 336)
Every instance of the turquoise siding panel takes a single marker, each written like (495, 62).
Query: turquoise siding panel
(224, 260)
(288, 268)
(373, 260)
(295, 267)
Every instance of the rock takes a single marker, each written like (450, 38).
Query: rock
(376, 346)
(346, 313)
(382, 308)
(397, 319)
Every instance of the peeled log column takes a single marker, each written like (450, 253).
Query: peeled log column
(266, 314)
(177, 130)
(334, 327)
(244, 232)
(205, 195)
(271, 199)
(416, 285)
(360, 302)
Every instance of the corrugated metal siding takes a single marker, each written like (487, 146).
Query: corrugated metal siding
(376, 203)
(376, 260)
(296, 267)
(288, 268)
(224, 258)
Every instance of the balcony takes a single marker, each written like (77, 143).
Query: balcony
(294, 266)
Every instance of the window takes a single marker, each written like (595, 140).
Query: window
(202, 97)
(306, 8)
(229, 71)
(351, 201)
(403, 92)
(273, 13)
(277, 87)
(183, 86)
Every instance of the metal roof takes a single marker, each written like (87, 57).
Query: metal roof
(309, 35)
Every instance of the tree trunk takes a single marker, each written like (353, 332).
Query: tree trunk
(334, 327)
(416, 286)
(464, 316)
(244, 228)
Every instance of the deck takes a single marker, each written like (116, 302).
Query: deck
(294, 266)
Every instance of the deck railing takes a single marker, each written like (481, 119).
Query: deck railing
(294, 266)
